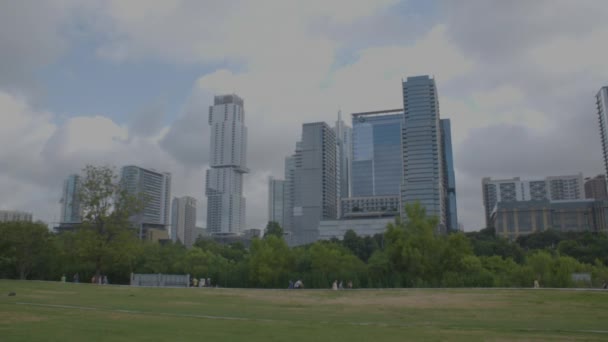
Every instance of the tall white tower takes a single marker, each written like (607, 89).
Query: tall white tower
(228, 160)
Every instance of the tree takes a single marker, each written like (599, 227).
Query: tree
(107, 237)
(273, 229)
(24, 245)
(270, 262)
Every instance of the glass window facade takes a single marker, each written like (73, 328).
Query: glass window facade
(377, 158)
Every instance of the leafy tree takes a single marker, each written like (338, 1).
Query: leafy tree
(273, 229)
(270, 262)
(25, 246)
(107, 238)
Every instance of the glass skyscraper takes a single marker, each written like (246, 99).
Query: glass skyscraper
(451, 213)
(377, 158)
(71, 211)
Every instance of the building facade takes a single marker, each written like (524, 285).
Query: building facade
(370, 206)
(276, 201)
(513, 219)
(553, 188)
(423, 179)
(596, 187)
(15, 216)
(288, 195)
(330, 229)
(601, 102)
(228, 162)
(71, 211)
(153, 189)
(315, 193)
(377, 166)
(343, 158)
(183, 222)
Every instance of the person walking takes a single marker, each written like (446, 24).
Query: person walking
(334, 286)
(105, 280)
(76, 278)
(341, 286)
(63, 278)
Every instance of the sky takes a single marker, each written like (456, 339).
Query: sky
(120, 82)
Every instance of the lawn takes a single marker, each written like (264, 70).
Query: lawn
(45, 311)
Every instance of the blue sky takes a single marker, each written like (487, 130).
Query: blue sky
(127, 81)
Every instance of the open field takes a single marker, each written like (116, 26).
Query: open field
(43, 311)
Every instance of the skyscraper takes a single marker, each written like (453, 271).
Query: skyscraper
(183, 220)
(276, 201)
(601, 101)
(153, 188)
(343, 157)
(596, 187)
(449, 182)
(228, 160)
(71, 212)
(377, 166)
(288, 199)
(315, 196)
(423, 170)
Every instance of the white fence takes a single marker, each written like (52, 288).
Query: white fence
(160, 280)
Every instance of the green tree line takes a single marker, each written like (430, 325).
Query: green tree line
(408, 254)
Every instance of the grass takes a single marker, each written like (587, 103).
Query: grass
(46, 311)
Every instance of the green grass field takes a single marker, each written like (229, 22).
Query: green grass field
(43, 311)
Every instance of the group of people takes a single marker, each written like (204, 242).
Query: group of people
(201, 282)
(339, 285)
(96, 279)
(297, 285)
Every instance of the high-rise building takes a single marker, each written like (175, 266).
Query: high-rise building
(343, 157)
(377, 166)
(228, 160)
(315, 196)
(183, 220)
(289, 187)
(276, 201)
(71, 211)
(449, 183)
(423, 179)
(15, 216)
(601, 101)
(153, 189)
(596, 187)
(553, 188)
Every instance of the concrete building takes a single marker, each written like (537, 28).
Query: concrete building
(449, 178)
(553, 188)
(183, 220)
(513, 219)
(596, 187)
(377, 166)
(329, 229)
(315, 196)
(276, 201)
(423, 165)
(153, 189)
(15, 216)
(370, 206)
(601, 102)
(71, 211)
(228, 162)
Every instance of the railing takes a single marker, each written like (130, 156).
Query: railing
(160, 280)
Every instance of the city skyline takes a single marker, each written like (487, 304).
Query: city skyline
(123, 92)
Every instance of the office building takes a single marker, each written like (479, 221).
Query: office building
(423, 171)
(596, 187)
(153, 189)
(228, 162)
(276, 201)
(370, 206)
(377, 166)
(513, 219)
(601, 101)
(71, 211)
(343, 158)
(15, 216)
(315, 196)
(553, 188)
(449, 178)
(183, 220)
(289, 187)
